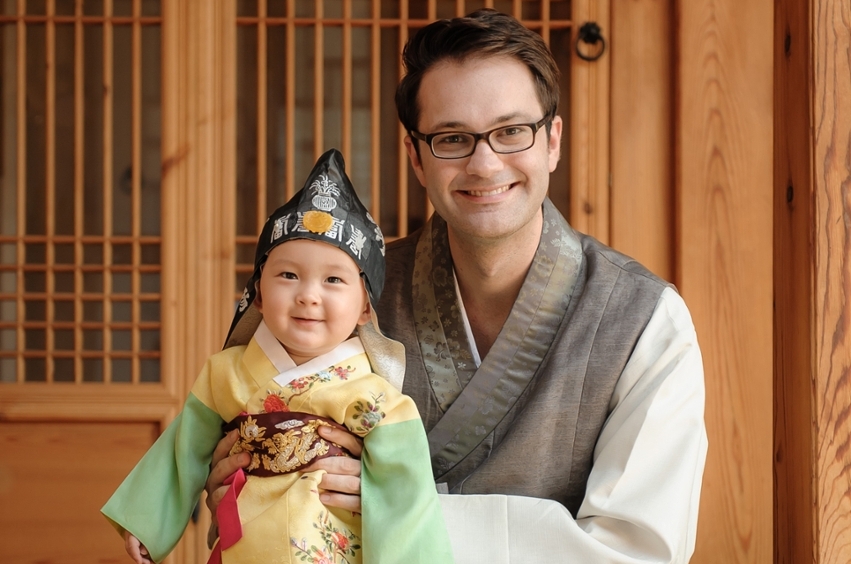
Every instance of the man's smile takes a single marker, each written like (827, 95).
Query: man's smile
(495, 192)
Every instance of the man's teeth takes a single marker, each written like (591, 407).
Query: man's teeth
(489, 192)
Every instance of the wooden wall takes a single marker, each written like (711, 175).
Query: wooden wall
(747, 105)
(642, 118)
(691, 197)
(723, 207)
(830, 263)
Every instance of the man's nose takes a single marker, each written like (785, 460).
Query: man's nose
(484, 161)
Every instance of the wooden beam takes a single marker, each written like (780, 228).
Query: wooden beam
(812, 281)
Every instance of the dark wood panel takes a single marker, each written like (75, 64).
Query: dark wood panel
(793, 271)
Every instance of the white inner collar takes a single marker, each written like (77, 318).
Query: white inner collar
(467, 329)
(287, 369)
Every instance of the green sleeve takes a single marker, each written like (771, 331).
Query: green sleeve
(157, 498)
(402, 517)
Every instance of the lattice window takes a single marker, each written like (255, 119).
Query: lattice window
(316, 75)
(80, 191)
(80, 155)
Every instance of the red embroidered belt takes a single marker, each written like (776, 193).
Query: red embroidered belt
(283, 441)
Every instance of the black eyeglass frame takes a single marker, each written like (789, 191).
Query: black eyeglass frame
(428, 138)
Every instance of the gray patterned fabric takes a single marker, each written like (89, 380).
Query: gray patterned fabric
(582, 342)
(490, 391)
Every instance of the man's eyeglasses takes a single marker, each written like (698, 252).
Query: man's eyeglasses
(460, 144)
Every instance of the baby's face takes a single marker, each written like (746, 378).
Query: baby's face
(311, 297)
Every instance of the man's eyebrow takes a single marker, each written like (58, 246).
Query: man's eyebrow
(461, 126)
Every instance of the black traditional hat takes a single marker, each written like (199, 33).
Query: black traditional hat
(326, 209)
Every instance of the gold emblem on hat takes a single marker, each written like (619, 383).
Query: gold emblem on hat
(317, 221)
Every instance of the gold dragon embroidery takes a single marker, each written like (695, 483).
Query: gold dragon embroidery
(294, 448)
(284, 452)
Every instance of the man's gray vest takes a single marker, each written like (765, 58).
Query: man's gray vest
(543, 446)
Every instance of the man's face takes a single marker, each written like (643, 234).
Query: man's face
(486, 196)
(311, 297)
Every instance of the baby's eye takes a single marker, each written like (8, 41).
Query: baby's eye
(289, 275)
(335, 280)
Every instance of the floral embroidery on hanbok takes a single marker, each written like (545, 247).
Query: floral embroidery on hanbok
(341, 545)
(367, 414)
(274, 402)
(343, 373)
(304, 383)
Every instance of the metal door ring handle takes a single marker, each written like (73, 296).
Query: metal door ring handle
(590, 34)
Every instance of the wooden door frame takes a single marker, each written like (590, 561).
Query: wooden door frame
(812, 281)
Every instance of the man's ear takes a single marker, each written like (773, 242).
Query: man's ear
(554, 142)
(366, 314)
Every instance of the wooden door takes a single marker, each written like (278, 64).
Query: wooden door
(82, 379)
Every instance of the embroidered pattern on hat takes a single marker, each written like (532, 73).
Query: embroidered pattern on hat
(280, 227)
(356, 241)
(317, 221)
(326, 191)
(379, 236)
(243, 301)
(335, 231)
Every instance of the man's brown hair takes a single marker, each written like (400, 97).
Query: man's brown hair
(484, 33)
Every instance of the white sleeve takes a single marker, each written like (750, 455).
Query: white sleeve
(642, 496)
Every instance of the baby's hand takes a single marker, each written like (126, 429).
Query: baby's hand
(136, 549)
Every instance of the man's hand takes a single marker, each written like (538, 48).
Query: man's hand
(223, 466)
(341, 481)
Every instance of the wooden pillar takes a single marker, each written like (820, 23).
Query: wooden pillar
(723, 260)
(199, 155)
(812, 279)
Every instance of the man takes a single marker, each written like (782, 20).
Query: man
(560, 382)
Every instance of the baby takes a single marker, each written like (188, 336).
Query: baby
(303, 351)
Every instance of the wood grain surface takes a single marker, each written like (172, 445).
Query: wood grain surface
(54, 478)
(642, 117)
(199, 193)
(589, 125)
(724, 211)
(831, 311)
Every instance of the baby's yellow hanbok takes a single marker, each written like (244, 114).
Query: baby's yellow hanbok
(272, 514)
